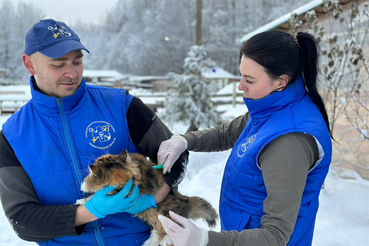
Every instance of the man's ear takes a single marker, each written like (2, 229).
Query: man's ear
(29, 63)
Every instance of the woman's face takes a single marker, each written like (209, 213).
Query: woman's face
(255, 82)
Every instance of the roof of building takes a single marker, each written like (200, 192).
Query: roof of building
(280, 23)
(103, 74)
(218, 73)
(147, 78)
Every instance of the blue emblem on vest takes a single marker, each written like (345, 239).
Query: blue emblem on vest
(100, 134)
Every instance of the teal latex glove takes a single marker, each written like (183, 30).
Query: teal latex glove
(102, 204)
(141, 204)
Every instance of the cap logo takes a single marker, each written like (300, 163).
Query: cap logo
(52, 38)
(59, 30)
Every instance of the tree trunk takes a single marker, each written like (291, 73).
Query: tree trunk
(198, 22)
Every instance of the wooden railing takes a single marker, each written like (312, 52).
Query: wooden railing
(11, 105)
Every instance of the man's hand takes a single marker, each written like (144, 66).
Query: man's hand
(141, 204)
(185, 233)
(170, 150)
(102, 204)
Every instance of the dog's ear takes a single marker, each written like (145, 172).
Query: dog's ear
(95, 170)
(123, 155)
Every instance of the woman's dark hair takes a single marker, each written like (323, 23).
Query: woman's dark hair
(282, 53)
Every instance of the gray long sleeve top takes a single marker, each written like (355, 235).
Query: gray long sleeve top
(285, 163)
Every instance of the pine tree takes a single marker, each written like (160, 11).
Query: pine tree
(189, 100)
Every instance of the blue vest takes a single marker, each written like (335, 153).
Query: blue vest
(56, 139)
(243, 190)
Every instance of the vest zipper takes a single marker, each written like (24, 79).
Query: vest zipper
(73, 155)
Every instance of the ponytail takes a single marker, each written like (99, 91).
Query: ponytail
(309, 63)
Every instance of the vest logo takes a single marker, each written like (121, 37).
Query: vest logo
(246, 145)
(59, 30)
(100, 134)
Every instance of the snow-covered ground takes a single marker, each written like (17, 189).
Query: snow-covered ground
(343, 217)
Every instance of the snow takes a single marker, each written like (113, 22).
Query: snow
(102, 73)
(218, 73)
(229, 89)
(342, 219)
(19, 89)
(147, 78)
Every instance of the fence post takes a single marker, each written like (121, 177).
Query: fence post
(234, 95)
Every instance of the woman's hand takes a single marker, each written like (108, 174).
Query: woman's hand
(170, 150)
(185, 233)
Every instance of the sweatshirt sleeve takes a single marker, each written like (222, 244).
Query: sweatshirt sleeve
(219, 138)
(285, 176)
(30, 220)
(147, 132)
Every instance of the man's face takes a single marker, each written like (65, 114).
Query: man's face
(58, 77)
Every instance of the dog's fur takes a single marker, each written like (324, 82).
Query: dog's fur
(117, 170)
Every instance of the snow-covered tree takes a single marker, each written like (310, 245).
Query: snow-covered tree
(189, 100)
(15, 21)
(7, 37)
(130, 39)
(344, 75)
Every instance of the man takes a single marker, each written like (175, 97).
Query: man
(46, 147)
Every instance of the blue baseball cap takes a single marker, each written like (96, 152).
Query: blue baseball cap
(52, 38)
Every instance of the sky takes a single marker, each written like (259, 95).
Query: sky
(70, 11)
(342, 219)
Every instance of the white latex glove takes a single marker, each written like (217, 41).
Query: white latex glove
(185, 233)
(170, 150)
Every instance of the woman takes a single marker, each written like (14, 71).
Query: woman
(281, 149)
